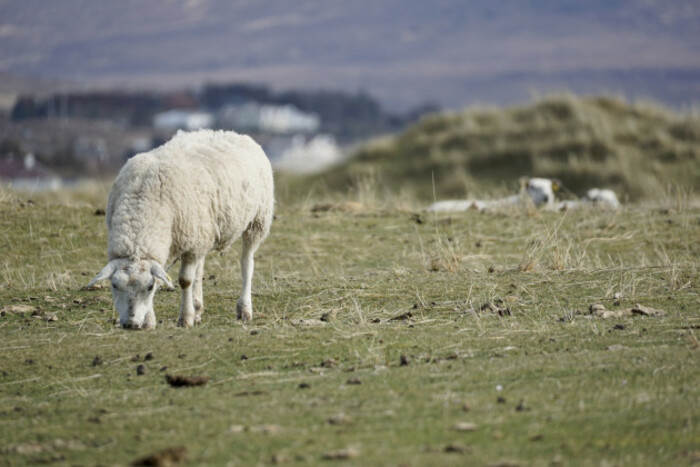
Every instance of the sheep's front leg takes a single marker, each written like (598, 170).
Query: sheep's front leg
(186, 279)
(197, 292)
(244, 308)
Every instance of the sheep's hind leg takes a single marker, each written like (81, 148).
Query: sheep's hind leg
(186, 279)
(197, 292)
(251, 240)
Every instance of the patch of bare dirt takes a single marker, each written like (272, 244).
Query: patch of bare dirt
(339, 419)
(465, 426)
(341, 454)
(599, 311)
(457, 448)
(18, 310)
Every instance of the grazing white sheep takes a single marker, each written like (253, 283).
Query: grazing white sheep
(199, 192)
(539, 190)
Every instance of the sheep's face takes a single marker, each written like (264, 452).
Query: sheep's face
(133, 286)
(541, 190)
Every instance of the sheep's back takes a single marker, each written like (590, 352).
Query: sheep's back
(206, 186)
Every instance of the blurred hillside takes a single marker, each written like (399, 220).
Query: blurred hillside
(452, 52)
(638, 150)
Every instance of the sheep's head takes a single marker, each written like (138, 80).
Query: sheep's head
(541, 190)
(133, 286)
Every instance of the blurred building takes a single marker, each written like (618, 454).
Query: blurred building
(182, 120)
(27, 173)
(279, 119)
(305, 156)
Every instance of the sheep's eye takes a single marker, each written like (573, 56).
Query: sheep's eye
(150, 287)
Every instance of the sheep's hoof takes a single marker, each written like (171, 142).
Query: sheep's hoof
(184, 323)
(198, 311)
(244, 312)
(150, 321)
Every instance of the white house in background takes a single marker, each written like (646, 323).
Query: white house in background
(241, 117)
(26, 173)
(182, 120)
(87, 148)
(287, 119)
(304, 156)
(280, 119)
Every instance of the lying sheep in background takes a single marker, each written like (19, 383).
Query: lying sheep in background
(603, 197)
(199, 192)
(595, 197)
(538, 190)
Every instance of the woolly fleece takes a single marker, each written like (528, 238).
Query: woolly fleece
(198, 192)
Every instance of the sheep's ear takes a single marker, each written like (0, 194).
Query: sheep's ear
(159, 273)
(523, 182)
(106, 273)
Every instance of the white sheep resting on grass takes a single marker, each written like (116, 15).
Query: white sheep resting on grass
(595, 198)
(602, 197)
(199, 192)
(539, 190)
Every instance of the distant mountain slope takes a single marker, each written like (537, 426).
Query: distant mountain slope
(638, 150)
(406, 52)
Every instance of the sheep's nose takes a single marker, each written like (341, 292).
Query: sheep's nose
(129, 326)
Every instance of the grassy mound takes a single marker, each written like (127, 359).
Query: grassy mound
(638, 150)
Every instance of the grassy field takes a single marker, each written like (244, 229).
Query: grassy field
(382, 336)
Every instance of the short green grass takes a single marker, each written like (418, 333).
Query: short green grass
(543, 382)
